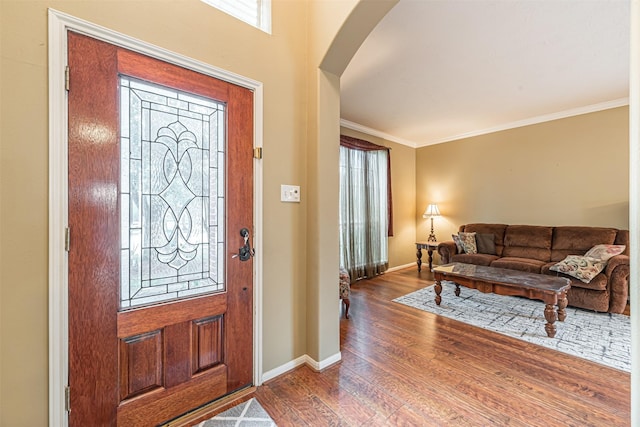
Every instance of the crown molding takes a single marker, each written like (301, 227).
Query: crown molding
(535, 120)
(621, 102)
(374, 132)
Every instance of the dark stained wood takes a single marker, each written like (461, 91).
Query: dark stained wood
(137, 65)
(207, 343)
(550, 289)
(93, 201)
(403, 366)
(131, 323)
(141, 365)
(135, 368)
(153, 408)
(429, 247)
(238, 324)
(177, 353)
(503, 281)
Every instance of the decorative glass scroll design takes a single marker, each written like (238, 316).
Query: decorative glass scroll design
(172, 173)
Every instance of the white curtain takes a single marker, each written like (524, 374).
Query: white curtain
(363, 212)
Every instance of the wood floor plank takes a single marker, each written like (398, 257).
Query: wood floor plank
(345, 404)
(403, 366)
(277, 410)
(370, 395)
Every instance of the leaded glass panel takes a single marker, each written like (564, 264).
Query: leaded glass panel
(171, 194)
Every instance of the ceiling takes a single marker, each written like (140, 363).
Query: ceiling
(433, 71)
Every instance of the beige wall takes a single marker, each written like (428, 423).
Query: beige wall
(402, 248)
(355, 19)
(572, 171)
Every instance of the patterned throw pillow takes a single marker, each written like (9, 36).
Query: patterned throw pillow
(604, 252)
(468, 241)
(458, 243)
(581, 267)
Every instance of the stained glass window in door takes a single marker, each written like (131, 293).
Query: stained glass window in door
(172, 194)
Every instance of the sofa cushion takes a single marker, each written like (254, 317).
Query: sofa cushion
(485, 243)
(589, 299)
(528, 241)
(569, 240)
(521, 264)
(496, 229)
(475, 259)
(468, 241)
(598, 283)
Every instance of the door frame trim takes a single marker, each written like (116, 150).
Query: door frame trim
(59, 24)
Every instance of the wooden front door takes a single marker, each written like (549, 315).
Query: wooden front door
(160, 186)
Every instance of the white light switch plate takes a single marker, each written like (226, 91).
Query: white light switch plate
(290, 193)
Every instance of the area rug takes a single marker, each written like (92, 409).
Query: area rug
(603, 338)
(245, 414)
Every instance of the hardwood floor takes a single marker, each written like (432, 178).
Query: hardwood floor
(403, 366)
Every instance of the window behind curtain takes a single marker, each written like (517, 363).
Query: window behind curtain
(363, 212)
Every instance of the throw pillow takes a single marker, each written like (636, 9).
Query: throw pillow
(485, 243)
(581, 267)
(456, 240)
(468, 241)
(604, 252)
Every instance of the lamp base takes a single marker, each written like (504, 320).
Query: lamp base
(432, 237)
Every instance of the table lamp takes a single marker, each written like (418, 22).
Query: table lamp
(430, 212)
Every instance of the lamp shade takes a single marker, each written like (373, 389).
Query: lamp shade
(432, 210)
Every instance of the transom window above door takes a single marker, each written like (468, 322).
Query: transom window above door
(253, 12)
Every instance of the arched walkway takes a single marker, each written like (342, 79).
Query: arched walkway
(323, 159)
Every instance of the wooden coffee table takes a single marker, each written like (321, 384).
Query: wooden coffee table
(551, 290)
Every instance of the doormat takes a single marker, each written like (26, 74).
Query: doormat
(245, 414)
(603, 338)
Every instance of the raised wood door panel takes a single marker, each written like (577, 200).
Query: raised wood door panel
(141, 366)
(146, 365)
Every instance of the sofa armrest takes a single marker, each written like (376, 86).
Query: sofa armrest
(617, 273)
(446, 250)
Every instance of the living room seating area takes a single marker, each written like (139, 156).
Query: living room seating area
(595, 259)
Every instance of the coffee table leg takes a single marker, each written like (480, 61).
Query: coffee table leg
(457, 291)
(562, 304)
(550, 315)
(438, 289)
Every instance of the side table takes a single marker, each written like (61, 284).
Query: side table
(430, 247)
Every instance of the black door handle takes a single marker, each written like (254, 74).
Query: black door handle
(246, 251)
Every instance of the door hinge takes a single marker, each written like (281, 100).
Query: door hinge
(257, 153)
(67, 238)
(67, 398)
(66, 78)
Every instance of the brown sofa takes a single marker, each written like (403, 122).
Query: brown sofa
(537, 248)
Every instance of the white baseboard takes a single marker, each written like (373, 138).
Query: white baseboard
(400, 267)
(266, 376)
(305, 359)
(318, 366)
